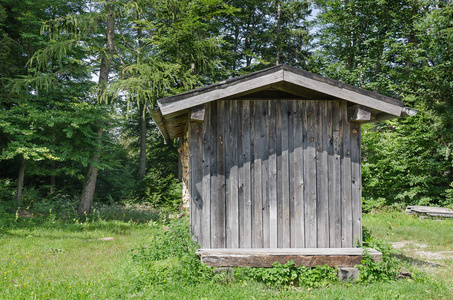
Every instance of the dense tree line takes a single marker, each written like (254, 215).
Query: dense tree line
(77, 78)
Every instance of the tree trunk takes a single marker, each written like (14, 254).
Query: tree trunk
(142, 121)
(20, 181)
(142, 160)
(86, 199)
(277, 62)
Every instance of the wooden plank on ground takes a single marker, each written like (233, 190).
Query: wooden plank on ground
(430, 211)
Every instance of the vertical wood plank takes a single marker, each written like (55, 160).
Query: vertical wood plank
(233, 215)
(206, 181)
(265, 171)
(356, 184)
(213, 173)
(346, 209)
(298, 175)
(273, 209)
(228, 164)
(284, 228)
(220, 216)
(291, 169)
(322, 183)
(310, 176)
(257, 203)
(246, 217)
(196, 171)
(334, 177)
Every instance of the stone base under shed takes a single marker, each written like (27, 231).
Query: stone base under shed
(264, 258)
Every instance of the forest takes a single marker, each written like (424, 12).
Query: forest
(78, 78)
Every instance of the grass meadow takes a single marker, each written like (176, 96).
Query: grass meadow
(48, 257)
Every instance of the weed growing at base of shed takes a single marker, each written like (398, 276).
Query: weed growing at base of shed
(280, 276)
(385, 270)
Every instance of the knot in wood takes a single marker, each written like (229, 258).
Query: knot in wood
(309, 113)
(354, 131)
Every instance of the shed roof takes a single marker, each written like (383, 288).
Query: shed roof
(173, 112)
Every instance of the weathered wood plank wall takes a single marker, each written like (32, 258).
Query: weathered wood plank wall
(275, 174)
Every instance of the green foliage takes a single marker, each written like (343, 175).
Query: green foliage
(384, 270)
(137, 213)
(162, 192)
(170, 257)
(288, 275)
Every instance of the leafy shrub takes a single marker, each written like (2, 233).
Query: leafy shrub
(288, 275)
(384, 270)
(170, 257)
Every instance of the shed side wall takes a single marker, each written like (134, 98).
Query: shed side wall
(275, 174)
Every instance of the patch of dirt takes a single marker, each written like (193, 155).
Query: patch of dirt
(416, 249)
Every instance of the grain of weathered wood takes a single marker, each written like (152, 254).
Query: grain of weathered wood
(345, 94)
(291, 172)
(346, 185)
(257, 203)
(298, 174)
(212, 111)
(357, 113)
(206, 181)
(272, 144)
(356, 188)
(284, 222)
(233, 217)
(310, 176)
(247, 175)
(195, 156)
(301, 257)
(217, 94)
(322, 180)
(197, 113)
(220, 217)
(264, 142)
(285, 186)
(335, 178)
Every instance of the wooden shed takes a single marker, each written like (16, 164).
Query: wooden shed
(274, 165)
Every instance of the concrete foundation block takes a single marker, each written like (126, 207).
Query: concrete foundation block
(348, 274)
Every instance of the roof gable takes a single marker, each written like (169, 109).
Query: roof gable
(302, 84)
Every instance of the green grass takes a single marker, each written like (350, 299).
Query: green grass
(48, 258)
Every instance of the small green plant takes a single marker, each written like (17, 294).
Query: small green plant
(285, 275)
(170, 257)
(384, 270)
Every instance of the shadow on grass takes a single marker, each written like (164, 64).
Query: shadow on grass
(416, 262)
